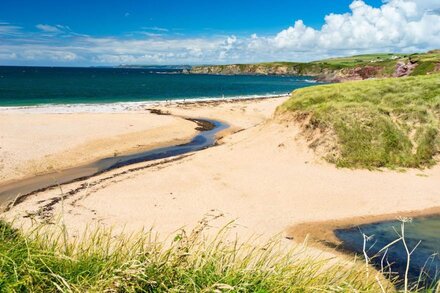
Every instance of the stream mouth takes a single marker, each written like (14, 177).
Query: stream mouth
(16, 192)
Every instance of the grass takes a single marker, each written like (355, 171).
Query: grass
(43, 261)
(383, 60)
(426, 62)
(377, 123)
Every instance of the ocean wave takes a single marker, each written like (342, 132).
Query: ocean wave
(117, 107)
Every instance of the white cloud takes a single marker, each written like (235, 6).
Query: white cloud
(116, 51)
(55, 29)
(48, 28)
(396, 26)
(48, 54)
(7, 29)
(8, 56)
(152, 35)
(155, 28)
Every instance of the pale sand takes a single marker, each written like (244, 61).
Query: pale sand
(32, 144)
(264, 177)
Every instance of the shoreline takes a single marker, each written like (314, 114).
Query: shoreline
(117, 107)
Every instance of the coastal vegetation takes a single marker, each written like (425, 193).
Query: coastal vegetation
(339, 69)
(46, 261)
(374, 123)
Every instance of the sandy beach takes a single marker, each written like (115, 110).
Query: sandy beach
(262, 174)
(36, 143)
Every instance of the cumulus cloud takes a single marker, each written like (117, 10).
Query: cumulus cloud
(395, 26)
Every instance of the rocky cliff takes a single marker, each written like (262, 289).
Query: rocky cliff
(338, 69)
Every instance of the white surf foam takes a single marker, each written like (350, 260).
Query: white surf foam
(117, 107)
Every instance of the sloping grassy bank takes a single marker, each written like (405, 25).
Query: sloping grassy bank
(374, 123)
(43, 262)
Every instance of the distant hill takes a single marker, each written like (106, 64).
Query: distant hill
(339, 69)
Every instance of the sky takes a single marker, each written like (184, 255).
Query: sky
(109, 32)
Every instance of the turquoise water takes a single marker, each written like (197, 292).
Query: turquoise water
(24, 86)
(425, 261)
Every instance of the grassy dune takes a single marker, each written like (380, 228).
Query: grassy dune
(42, 261)
(376, 123)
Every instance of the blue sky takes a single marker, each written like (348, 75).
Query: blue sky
(108, 32)
(118, 18)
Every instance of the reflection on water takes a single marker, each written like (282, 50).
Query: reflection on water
(425, 261)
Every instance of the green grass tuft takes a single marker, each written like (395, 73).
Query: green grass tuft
(41, 261)
(378, 123)
(424, 68)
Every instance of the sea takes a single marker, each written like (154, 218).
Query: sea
(42, 86)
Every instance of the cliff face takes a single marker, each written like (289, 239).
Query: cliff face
(261, 69)
(338, 69)
(318, 71)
